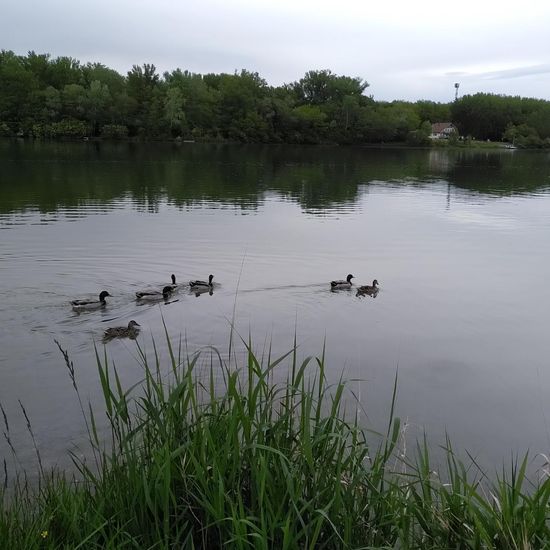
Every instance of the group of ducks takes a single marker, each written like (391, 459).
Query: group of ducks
(198, 287)
(368, 290)
(131, 331)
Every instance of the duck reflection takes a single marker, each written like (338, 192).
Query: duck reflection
(371, 293)
(199, 291)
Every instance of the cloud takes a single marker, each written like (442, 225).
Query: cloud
(411, 51)
(504, 74)
(517, 72)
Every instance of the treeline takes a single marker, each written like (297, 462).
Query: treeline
(46, 97)
(520, 120)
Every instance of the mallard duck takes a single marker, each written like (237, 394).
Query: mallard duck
(195, 285)
(131, 331)
(91, 304)
(155, 294)
(335, 285)
(368, 289)
(174, 284)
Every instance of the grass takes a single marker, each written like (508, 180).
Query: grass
(249, 463)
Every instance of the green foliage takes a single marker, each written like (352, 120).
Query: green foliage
(96, 71)
(487, 116)
(18, 86)
(69, 129)
(114, 131)
(74, 98)
(52, 103)
(173, 108)
(421, 136)
(310, 123)
(5, 130)
(322, 87)
(430, 110)
(523, 135)
(64, 71)
(96, 100)
(321, 107)
(204, 454)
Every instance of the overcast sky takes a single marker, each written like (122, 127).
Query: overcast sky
(404, 49)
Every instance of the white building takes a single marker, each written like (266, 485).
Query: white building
(443, 130)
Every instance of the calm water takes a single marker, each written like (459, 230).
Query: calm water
(459, 241)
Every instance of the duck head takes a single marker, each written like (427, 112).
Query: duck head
(103, 295)
(133, 324)
(210, 277)
(173, 277)
(349, 278)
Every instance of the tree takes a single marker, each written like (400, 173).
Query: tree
(319, 87)
(141, 86)
(173, 108)
(52, 103)
(200, 100)
(522, 136)
(39, 66)
(111, 78)
(63, 71)
(239, 98)
(17, 90)
(74, 100)
(311, 123)
(486, 116)
(420, 136)
(435, 112)
(96, 101)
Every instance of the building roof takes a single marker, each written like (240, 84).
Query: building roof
(438, 127)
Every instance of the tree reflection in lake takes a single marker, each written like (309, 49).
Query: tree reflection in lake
(57, 177)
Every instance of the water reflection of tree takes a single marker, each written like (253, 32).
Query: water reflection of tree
(500, 173)
(53, 176)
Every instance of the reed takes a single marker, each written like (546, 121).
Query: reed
(229, 458)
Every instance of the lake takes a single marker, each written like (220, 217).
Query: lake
(458, 240)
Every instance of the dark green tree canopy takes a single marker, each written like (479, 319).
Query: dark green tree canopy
(319, 87)
(487, 116)
(47, 97)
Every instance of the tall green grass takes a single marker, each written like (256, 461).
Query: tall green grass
(232, 459)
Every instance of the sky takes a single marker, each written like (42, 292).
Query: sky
(404, 49)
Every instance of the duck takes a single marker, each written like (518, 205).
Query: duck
(335, 285)
(368, 289)
(196, 285)
(91, 304)
(173, 284)
(131, 331)
(155, 294)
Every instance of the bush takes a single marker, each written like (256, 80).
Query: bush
(114, 131)
(5, 130)
(69, 128)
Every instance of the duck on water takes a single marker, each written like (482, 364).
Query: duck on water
(368, 289)
(174, 285)
(155, 294)
(198, 285)
(342, 285)
(91, 304)
(131, 331)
